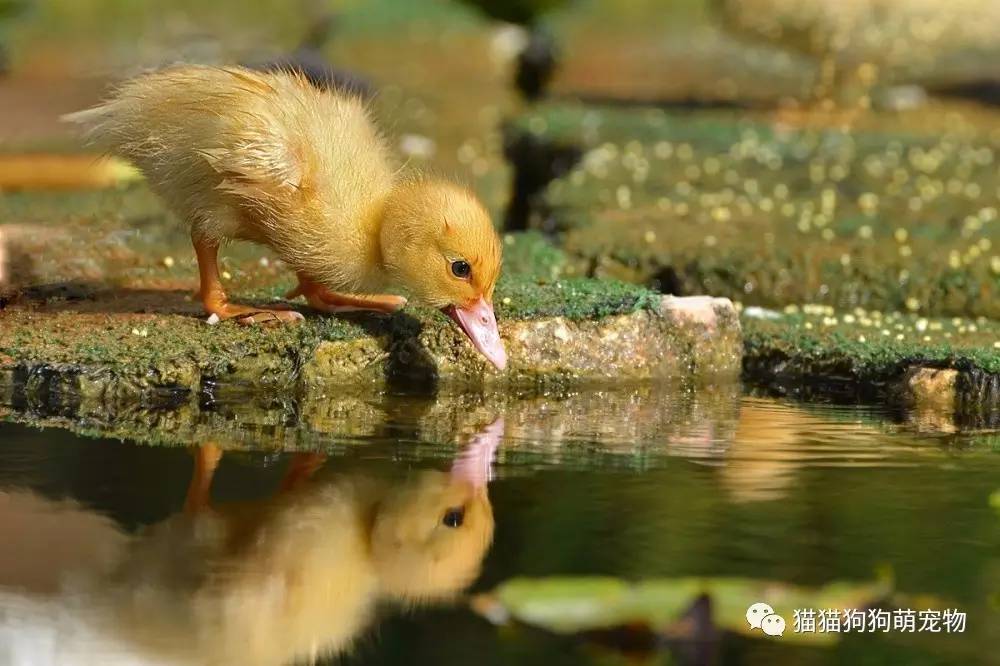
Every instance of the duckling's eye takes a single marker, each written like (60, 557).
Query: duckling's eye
(453, 517)
(461, 269)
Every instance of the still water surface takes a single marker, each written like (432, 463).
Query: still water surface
(124, 552)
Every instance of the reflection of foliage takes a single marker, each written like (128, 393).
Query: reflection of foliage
(573, 605)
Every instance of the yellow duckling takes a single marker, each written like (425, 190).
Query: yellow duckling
(268, 158)
(284, 580)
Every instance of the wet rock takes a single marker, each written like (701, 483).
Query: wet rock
(945, 370)
(931, 388)
(682, 338)
(931, 399)
(105, 318)
(978, 392)
(335, 363)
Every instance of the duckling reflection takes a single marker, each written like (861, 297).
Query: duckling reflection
(775, 440)
(285, 580)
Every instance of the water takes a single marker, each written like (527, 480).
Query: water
(633, 484)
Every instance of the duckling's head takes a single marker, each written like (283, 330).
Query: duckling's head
(430, 536)
(438, 242)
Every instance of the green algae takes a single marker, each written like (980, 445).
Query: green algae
(530, 254)
(60, 332)
(864, 348)
(151, 340)
(573, 298)
(591, 125)
(770, 214)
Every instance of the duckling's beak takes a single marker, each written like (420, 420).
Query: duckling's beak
(480, 324)
(474, 465)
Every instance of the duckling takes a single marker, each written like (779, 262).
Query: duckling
(299, 576)
(284, 580)
(271, 159)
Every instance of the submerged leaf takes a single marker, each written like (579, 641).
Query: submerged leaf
(568, 605)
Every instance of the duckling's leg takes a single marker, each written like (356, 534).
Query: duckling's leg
(321, 298)
(214, 298)
(302, 467)
(206, 460)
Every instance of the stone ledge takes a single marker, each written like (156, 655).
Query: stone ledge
(942, 370)
(674, 338)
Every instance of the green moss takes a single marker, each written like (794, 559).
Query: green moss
(155, 341)
(593, 125)
(865, 347)
(573, 298)
(533, 284)
(531, 255)
(716, 203)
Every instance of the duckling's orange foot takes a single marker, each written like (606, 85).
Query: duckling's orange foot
(199, 494)
(246, 315)
(324, 300)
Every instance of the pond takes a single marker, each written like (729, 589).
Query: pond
(126, 552)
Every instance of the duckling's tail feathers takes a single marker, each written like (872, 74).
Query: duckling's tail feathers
(245, 125)
(107, 125)
(84, 117)
(95, 120)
